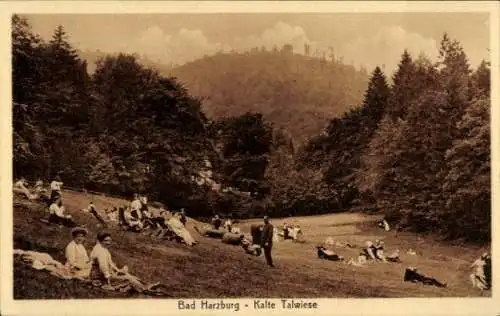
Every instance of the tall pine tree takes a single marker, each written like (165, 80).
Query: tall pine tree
(349, 137)
(403, 88)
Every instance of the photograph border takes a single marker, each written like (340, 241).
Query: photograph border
(329, 306)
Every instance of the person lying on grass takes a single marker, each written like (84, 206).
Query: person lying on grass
(412, 275)
(175, 225)
(105, 270)
(209, 231)
(39, 186)
(393, 257)
(57, 215)
(326, 254)
(232, 239)
(77, 259)
(20, 188)
(92, 210)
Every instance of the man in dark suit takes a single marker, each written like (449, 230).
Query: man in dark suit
(267, 240)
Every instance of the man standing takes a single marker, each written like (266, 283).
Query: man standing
(267, 240)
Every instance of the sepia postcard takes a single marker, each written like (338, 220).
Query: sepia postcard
(186, 158)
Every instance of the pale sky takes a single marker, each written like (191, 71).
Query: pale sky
(367, 39)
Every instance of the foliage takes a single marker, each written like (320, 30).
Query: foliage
(419, 149)
(428, 166)
(245, 145)
(294, 92)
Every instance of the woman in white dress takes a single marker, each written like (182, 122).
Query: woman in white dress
(77, 260)
(105, 270)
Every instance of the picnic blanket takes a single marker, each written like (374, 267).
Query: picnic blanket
(43, 261)
(210, 232)
(125, 283)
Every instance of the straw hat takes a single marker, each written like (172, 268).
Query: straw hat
(79, 230)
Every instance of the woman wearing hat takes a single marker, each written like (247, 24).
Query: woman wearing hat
(77, 259)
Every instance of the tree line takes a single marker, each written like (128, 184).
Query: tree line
(416, 149)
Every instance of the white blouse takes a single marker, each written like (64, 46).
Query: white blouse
(102, 257)
(56, 186)
(55, 209)
(76, 255)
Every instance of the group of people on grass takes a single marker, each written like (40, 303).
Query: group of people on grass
(225, 224)
(138, 217)
(21, 186)
(56, 209)
(261, 239)
(99, 266)
(374, 252)
(290, 231)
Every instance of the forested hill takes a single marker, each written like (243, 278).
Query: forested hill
(294, 92)
(93, 57)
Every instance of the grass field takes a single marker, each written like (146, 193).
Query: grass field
(212, 269)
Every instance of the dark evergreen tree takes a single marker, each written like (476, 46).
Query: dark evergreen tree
(403, 88)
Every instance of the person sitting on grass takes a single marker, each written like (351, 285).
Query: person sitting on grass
(162, 224)
(369, 251)
(136, 207)
(228, 224)
(250, 247)
(55, 188)
(216, 221)
(285, 231)
(487, 270)
(478, 277)
(132, 223)
(57, 215)
(112, 214)
(183, 217)
(384, 225)
(105, 270)
(147, 219)
(77, 260)
(39, 185)
(144, 202)
(378, 249)
(122, 222)
(38, 189)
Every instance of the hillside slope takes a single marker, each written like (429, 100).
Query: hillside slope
(213, 269)
(296, 93)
